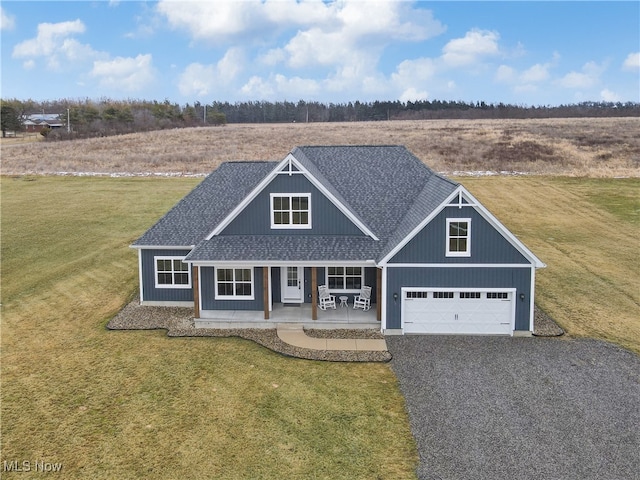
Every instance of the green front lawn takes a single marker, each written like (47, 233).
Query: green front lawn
(129, 404)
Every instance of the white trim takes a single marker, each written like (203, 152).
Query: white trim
(281, 263)
(531, 300)
(383, 298)
(162, 247)
(269, 287)
(528, 254)
(504, 230)
(288, 226)
(234, 296)
(160, 303)
(460, 203)
(460, 289)
(467, 252)
(417, 229)
(459, 265)
(172, 285)
(140, 276)
(199, 289)
(290, 159)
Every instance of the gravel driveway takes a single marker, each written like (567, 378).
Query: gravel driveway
(520, 408)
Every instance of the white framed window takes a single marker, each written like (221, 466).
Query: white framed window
(345, 279)
(234, 284)
(290, 210)
(498, 295)
(171, 272)
(442, 294)
(468, 295)
(412, 294)
(458, 237)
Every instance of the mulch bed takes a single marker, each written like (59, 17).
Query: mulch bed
(179, 323)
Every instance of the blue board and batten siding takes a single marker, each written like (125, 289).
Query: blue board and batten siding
(459, 277)
(149, 291)
(326, 218)
(488, 247)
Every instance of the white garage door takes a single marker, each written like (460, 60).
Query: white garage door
(468, 311)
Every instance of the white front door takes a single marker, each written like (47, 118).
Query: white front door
(292, 284)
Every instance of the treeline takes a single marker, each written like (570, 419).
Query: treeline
(112, 117)
(270, 112)
(88, 118)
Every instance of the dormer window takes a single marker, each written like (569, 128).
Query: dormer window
(290, 210)
(458, 237)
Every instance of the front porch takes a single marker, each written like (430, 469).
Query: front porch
(340, 318)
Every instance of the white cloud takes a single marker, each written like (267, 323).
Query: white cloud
(256, 87)
(412, 95)
(217, 22)
(505, 74)
(632, 62)
(296, 87)
(536, 74)
(201, 80)
(608, 96)
(124, 73)
(223, 21)
(588, 77)
(411, 72)
(49, 38)
(475, 45)
(7, 22)
(55, 42)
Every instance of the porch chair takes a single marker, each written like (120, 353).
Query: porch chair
(363, 300)
(325, 299)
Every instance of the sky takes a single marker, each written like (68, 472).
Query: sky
(521, 53)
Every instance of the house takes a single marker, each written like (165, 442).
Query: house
(37, 122)
(253, 236)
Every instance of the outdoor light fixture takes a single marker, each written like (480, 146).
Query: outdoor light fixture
(522, 297)
(395, 297)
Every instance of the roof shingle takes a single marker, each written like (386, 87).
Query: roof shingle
(385, 187)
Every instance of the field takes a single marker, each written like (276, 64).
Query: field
(600, 147)
(116, 404)
(123, 405)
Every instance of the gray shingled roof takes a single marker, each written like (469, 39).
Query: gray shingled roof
(285, 247)
(386, 187)
(196, 215)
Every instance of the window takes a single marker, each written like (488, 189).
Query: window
(469, 294)
(442, 294)
(291, 210)
(234, 283)
(498, 295)
(171, 272)
(417, 294)
(458, 237)
(345, 278)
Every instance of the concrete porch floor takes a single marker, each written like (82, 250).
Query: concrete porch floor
(340, 318)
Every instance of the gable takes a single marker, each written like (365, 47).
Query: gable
(487, 244)
(325, 218)
(428, 240)
(293, 169)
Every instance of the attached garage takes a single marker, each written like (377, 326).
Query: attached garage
(465, 311)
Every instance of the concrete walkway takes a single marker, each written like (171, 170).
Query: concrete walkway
(294, 335)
